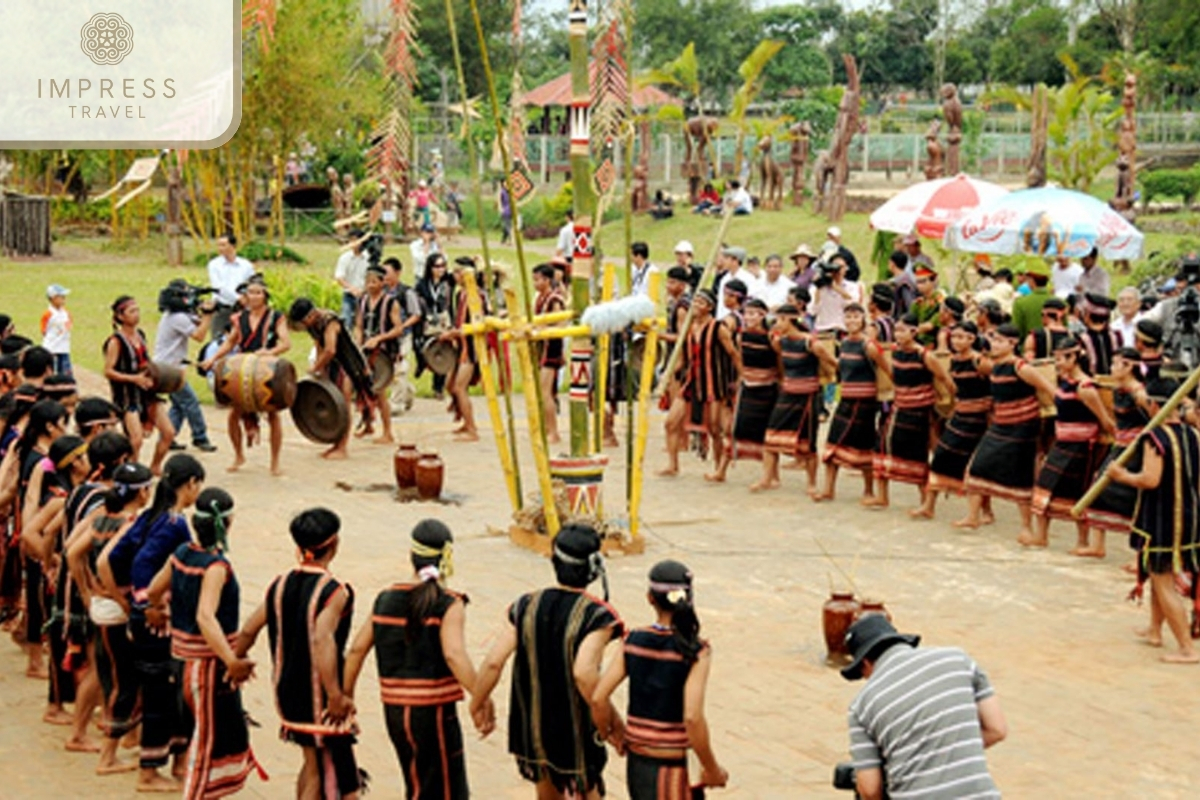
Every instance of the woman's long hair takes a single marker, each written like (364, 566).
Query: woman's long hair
(671, 591)
(431, 548)
(179, 469)
(43, 414)
(210, 520)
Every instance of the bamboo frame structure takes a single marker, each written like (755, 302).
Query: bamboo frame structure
(637, 463)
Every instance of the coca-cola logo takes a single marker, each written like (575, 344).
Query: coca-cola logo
(1113, 232)
(988, 227)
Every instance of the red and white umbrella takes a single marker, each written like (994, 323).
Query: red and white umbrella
(929, 208)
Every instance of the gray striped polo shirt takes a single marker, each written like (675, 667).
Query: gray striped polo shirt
(916, 718)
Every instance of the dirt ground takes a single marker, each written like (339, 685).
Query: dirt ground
(1092, 713)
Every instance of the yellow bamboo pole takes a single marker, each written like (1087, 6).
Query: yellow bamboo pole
(605, 345)
(560, 333)
(475, 306)
(533, 410)
(643, 417)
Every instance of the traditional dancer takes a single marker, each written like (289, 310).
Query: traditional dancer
(712, 363)
(558, 635)
(1113, 509)
(850, 441)
(307, 613)
(1005, 460)
(416, 629)
(1149, 343)
(963, 432)
(1098, 339)
(126, 365)
(1166, 519)
(130, 565)
(72, 646)
(377, 329)
(672, 401)
(667, 665)
(549, 299)
(112, 650)
(204, 623)
(759, 385)
(337, 356)
(792, 426)
(1041, 342)
(466, 368)
(904, 446)
(1071, 462)
(257, 328)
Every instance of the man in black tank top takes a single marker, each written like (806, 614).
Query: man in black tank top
(377, 330)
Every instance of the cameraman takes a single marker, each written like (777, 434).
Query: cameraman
(1180, 314)
(924, 717)
(183, 320)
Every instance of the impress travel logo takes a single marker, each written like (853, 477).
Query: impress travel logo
(130, 73)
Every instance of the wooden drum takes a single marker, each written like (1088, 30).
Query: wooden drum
(167, 379)
(254, 383)
(1046, 367)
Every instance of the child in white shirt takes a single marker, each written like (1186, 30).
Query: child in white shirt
(56, 329)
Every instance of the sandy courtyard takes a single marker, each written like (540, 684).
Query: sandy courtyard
(1092, 713)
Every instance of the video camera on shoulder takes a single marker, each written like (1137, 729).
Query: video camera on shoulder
(826, 272)
(373, 249)
(845, 779)
(179, 296)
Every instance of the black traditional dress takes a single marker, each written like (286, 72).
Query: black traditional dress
(551, 356)
(133, 358)
(1072, 460)
(1004, 462)
(114, 649)
(757, 393)
(72, 629)
(1166, 516)
(550, 729)
(1113, 509)
(904, 447)
(852, 433)
(710, 371)
(420, 694)
(293, 603)
(219, 758)
(1046, 340)
(792, 429)
(964, 431)
(658, 674)
(1099, 347)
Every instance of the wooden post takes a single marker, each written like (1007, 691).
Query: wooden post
(545, 158)
(533, 410)
(643, 413)
(511, 471)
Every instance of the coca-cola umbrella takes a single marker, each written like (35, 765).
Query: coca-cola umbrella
(1047, 222)
(928, 208)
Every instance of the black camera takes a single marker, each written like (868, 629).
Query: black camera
(845, 779)
(826, 272)
(179, 296)
(373, 249)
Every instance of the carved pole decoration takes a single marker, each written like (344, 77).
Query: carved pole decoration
(801, 136)
(843, 134)
(1036, 169)
(953, 115)
(1122, 202)
(933, 148)
(584, 206)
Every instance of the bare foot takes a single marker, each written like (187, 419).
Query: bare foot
(987, 519)
(336, 454)
(1190, 657)
(56, 716)
(871, 501)
(920, 513)
(84, 745)
(1027, 539)
(37, 672)
(965, 523)
(764, 486)
(237, 464)
(713, 477)
(466, 436)
(384, 440)
(276, 471)
(668, 472)
(821, 497)
(116, 767)
(1151, 638)
(157, 784)
(1088, 552)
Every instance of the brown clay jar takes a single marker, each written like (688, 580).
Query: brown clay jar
(405, 462)
(429, 473)
(874, 607)
(837, 615)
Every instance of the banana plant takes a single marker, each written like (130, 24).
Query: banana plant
(751, 71)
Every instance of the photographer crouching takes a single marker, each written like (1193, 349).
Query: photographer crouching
(920, 725)
(184, 318)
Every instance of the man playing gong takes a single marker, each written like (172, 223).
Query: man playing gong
(257, 328)
(377, 329)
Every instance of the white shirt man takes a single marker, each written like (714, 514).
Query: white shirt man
(1124, 322)
(730, 262)
(639, 282)
(565, 246)
(421, 248)
(228, 271)
(774, 287)
(739, 198)
(1065, 277)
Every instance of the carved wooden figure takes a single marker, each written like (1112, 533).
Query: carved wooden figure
(1036, 169)
(1127, 150)
(770, 176)
(641, 192)
(952, 113)
(697, 133)
(843, 134)
(801, 139)
(933, 148)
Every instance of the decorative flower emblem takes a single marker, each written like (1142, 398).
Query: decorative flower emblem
(106, 39)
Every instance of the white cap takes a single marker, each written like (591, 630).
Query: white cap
(834, 231)
(684, 246)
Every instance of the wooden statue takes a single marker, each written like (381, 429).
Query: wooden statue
(697, 133)
(839, 143)
(174, 217)
(933, 148)
(770, 176)
(1036, 170)
(801, 137)
(336, 197)
(952, 113)
(1122, 202)
(641, 193)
